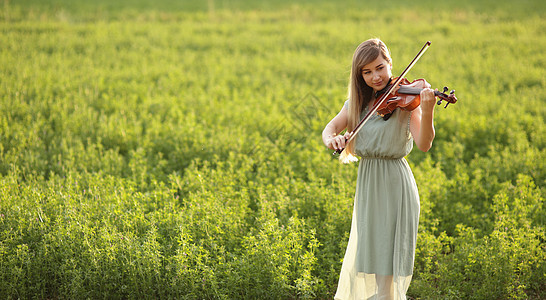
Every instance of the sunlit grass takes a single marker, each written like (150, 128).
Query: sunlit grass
(172, 148)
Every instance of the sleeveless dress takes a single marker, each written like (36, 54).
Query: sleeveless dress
(381, 248)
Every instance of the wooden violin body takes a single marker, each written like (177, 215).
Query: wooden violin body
(407, 97)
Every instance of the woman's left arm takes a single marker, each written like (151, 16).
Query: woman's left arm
(422, 121)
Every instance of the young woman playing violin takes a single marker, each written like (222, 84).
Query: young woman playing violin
(378, 262)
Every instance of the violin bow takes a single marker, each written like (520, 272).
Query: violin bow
(383, 98)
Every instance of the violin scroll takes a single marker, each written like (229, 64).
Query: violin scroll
(445, 97)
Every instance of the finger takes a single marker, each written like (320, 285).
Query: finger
(335, 144)
(344, 139)
(427, 94)
(332, 143)
(341, 142)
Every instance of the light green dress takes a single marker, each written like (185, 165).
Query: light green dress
(381, 248)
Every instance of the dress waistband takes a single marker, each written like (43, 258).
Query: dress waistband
(382, 157)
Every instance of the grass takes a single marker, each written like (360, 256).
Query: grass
(171, 149)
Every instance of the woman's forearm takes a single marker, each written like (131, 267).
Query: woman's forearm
(426, 131)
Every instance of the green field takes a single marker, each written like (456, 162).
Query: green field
(172, 149)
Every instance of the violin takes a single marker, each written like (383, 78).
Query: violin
(407, 97)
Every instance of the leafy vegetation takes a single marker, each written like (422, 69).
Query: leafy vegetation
(164, 149)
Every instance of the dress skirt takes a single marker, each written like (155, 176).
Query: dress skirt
(381, 248)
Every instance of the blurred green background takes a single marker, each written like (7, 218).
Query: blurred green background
(172, 149)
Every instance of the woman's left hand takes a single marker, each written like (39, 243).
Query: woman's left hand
(428, 100)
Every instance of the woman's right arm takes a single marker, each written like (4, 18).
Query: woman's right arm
(330, 136)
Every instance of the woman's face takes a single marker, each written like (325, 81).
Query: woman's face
(377, 73)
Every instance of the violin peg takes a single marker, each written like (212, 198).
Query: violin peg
(452, 92)
(445, 89)
(439, 102)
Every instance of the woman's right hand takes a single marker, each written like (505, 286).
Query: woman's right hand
(337, 142)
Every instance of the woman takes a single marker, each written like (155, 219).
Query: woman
(378, 262)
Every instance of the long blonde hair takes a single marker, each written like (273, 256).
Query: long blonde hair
(360, 94)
